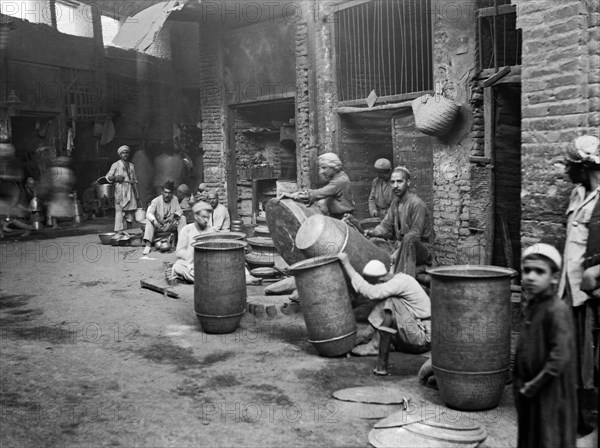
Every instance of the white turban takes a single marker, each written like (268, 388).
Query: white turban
(201, 205)
(330, 159)
(123, 148)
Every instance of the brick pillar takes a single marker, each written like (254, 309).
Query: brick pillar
(213, 114)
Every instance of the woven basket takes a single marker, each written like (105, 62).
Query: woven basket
(435, 115)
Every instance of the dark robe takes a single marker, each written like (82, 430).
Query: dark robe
(547, 344)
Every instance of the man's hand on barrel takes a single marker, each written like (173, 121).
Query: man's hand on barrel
(119, 179)
(343, 257)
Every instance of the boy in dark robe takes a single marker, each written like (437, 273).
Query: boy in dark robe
(545, 370)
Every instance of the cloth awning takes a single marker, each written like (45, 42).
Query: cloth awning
(139, 31)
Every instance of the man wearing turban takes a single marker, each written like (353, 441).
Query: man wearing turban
(184, 266)
(382, 193)
(164, 215)
(334, 199)
(122, 173)
(580, 274)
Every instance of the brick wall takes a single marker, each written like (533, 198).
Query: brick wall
(303, 131)
(559, 103)
(213, 119)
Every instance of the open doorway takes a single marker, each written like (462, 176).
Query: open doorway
(507, 175)
(263, 160)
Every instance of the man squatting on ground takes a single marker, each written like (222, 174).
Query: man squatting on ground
(163, 215)
(402, 314)
(408, 222)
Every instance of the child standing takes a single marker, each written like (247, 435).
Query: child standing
(544, 373)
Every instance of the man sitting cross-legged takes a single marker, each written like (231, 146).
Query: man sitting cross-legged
(183, 269)
(184, 266)
(401, 315)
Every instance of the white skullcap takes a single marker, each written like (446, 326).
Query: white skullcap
(375, 268)
(123, 148)
(330, 159)
(403, 169)
(383, 164)
(546, 250)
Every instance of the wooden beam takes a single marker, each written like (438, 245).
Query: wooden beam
(500, 10)
(386, 99)
(496, 77)
(354, 110)
(351, 4)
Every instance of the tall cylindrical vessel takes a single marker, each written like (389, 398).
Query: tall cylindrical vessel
(284, 218)
(219, 285)
(326, 307)
(470, 344)
(322, 236)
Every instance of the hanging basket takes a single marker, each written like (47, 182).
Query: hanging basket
(435, 115)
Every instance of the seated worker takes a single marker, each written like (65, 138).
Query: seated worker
(183, 196)
(90, 202)
(382, 193)
(183, 269)
(184, 266)
(201, 193)
(334, 199)
(163, 215)
(402, 314)
(220, 220)
(408, 222)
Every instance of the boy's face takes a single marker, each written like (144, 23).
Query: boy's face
(538, 278)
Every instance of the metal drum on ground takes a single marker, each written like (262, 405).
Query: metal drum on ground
(326, 307)
(219, 284)
(322, 236)
(470, 346)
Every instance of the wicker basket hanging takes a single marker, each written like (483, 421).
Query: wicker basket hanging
(435, 114)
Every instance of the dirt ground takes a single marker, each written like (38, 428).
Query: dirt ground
(90, 359)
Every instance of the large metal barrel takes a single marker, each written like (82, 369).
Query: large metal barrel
(284, 218)
(325, 303)
(219, 284)
(322, 236)
(470, 344)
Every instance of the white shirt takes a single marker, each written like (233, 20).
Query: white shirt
(219, 219)
(579, 214)
(402, 286)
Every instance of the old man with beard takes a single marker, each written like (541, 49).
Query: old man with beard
(334, 199)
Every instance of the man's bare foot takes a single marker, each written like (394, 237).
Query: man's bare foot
(147, 250)
(370, 349)
(251, 280)
(365, 334)
(171, 277)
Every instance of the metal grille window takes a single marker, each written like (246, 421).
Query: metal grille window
(385, 46)
(499, 39)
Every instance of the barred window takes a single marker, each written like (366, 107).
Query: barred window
(385, 46)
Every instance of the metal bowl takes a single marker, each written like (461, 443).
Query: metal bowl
(106, 237)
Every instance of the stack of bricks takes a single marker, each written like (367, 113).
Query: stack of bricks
(559, 86)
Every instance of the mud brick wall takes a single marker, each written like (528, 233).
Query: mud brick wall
(461, 192)
(559, 103)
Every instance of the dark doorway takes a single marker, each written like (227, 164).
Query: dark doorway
(366, 137)
(507, 175)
